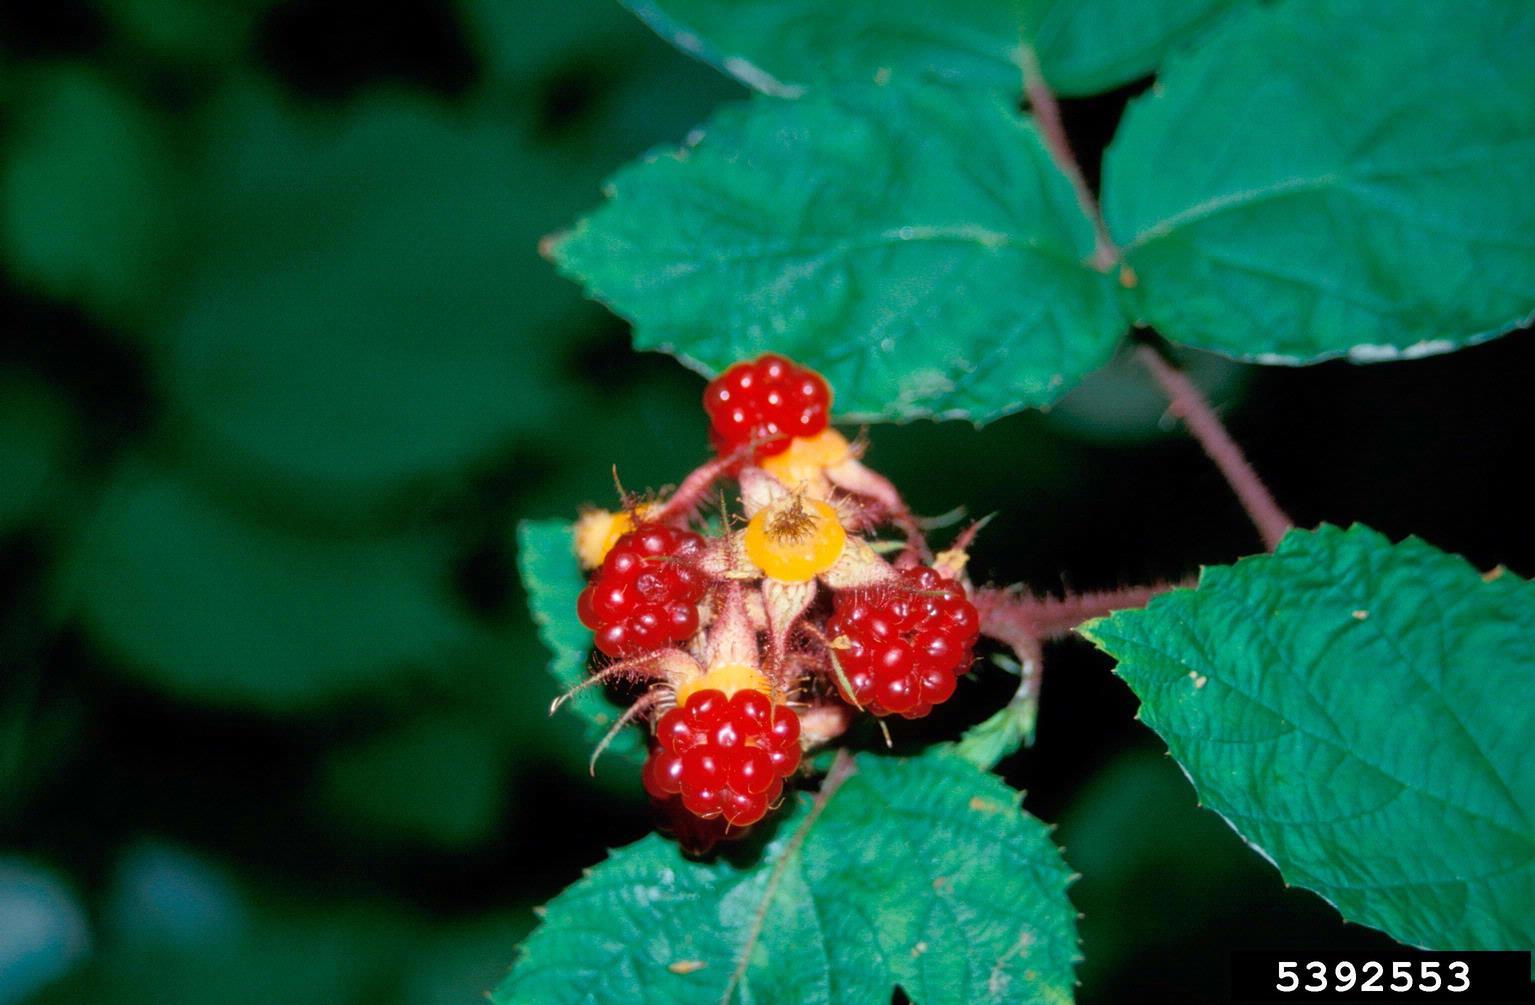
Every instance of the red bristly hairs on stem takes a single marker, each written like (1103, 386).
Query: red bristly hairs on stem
(1188, 403)
(1011, 615)
(1047, 115)
(1023, 622)
(683, 505)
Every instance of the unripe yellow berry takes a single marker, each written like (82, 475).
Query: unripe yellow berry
(598, 530)
(806, 460)
(795, 539)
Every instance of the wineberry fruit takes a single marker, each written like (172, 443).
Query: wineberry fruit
(907, 642)
(766, 401)
(646, 593)
(724, 756)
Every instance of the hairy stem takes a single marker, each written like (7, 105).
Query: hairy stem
(643, 704)
(854, 477)
(842, 769)
(651, 665)
(1031, 672)
(1022, 620)
(683, 505)
(1047, 115)
(1188, 403)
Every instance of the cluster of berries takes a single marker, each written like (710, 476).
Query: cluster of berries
(757, 642)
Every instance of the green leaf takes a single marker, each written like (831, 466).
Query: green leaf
(784, 48)
(1334, 178)
(89, 205)
(919, 873)
(1002, 734)
(546, 560)
(1358, 711)
(367, 308)
(916, 247)
(440, 780)
(200, 601)
(1088, 46)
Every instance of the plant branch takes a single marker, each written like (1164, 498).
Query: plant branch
(1188, 403)
(684, 503)
(842, 769)
(644, 703)
(1022, 620)
(1047, 114)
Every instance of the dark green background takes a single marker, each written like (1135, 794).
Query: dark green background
(280, 368)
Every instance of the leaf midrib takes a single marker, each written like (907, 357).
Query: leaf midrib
(981, 237)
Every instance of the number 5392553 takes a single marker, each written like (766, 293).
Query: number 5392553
(1425, 976)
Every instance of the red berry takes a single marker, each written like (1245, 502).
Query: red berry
(724, 757)
(646, 593)
(908, 642)
(768, 401)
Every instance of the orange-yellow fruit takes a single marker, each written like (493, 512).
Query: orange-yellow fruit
(806, 460)
(727, 678)
(795, 539)
(598, 530)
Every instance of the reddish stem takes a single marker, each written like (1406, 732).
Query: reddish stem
(1188, 403)
(1021, 619)
(1047, 114)
(684, 503)
(870, 484)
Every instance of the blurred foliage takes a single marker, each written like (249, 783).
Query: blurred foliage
(294, 368)
(44, 926)
(91, 201)
(280, 371)
(219, 609)
(35, 430)
(1137, 839)
(180, 930)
